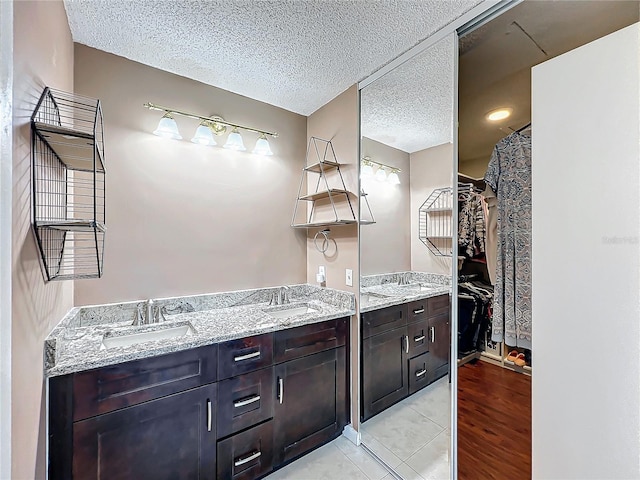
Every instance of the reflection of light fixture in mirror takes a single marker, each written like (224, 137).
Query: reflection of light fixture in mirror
(204, 135)
(381, 175)
(234, 141)
(167, 128)
(367, 168)
(262, 146)
(499, 114)
(393, 178)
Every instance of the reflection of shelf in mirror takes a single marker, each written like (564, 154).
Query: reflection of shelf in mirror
(324, 194)
(448, 237)
(367, 222)
(322, 167)
(324, 224)
(433, 210)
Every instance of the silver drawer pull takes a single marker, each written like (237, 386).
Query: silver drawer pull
(280, 390)
(419, 339)
(420, 310)
(242, 403)
(433, 334)
(247, 356)
(244, 460)
(406, 339)
(421, 372)
(209, 419)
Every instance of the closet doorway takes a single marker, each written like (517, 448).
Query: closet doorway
(496, 352)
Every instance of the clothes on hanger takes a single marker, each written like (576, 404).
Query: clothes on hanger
(474, 314)
(471, 224)
(509, 176)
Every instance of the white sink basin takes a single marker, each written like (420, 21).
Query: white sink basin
(420, 287)
(368, 297)
(141, 337)
(291, 312)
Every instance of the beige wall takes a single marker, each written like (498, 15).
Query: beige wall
(43, 56)
(385, 246)
(184, 218)
(338, 121)
(430, 169)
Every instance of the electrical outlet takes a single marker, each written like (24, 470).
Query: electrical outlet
(349, 277)
(321, 270)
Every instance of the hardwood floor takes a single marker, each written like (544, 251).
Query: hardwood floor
(494, 423)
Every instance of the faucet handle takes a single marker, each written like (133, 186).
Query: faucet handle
(139, 317)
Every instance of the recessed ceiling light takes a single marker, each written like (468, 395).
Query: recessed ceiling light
(499, 114)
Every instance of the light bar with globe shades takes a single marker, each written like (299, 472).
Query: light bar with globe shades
(367, 171)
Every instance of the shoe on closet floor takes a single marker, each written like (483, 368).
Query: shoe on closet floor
(513, 354)
(519, 360)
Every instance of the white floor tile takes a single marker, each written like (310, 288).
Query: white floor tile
(365, 462)
(386, 455)
(402, 430)
(326, 463)
(432, 460)
(407, 473)
(434, 402)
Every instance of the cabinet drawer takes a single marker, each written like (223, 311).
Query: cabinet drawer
(438, 305)
(110, 388)
(246, 455)
(244, 355)
(418, 373)
(417, 310)
(245, 401)
(317, 337)
(379, 321)
(418, 337)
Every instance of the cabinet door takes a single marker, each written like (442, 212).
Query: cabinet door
(383, 320)
(439, 346)
(311, 403)
(172, 437)
(384, 371)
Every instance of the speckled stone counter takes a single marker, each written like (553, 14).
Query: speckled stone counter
(386, 290)
(76, 343)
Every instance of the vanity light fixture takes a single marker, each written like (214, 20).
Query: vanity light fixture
(210, 126)
(381, 173)
(234, 141)
(167, 128)
(499, 114)
(204, 135)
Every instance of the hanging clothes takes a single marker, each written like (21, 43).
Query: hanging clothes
(471, 225)
(509, 176)
(491, 238)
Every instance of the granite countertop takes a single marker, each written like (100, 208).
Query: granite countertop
(380, 291)
(76, 343)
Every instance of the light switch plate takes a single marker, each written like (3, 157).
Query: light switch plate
(321, 270)
(349, 277)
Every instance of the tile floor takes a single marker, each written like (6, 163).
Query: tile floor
(412, 437)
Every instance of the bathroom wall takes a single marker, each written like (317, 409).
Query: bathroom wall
(184, 218)
(43, 56)
(430, 169)
(385, 246)
(338, 121)
(475, 167)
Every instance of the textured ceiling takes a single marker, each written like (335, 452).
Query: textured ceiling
(295, 54)
(411, 108)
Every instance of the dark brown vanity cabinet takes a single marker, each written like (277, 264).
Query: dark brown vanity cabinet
(404, 348)
(234, 410)
(312, 400)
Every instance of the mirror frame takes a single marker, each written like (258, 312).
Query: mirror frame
(477, 16)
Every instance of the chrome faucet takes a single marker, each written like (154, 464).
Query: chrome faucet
(150, 314)
(403, 278)
(280, 297)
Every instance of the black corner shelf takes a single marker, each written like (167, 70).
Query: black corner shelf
(68, 185)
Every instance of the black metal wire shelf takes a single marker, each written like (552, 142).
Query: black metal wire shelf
(68, 185)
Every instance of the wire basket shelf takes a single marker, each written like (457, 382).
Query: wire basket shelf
(435, 222)
(68, 185)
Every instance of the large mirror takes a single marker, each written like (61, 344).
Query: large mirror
(407, 164)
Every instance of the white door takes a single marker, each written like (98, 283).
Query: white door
(586, 261)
